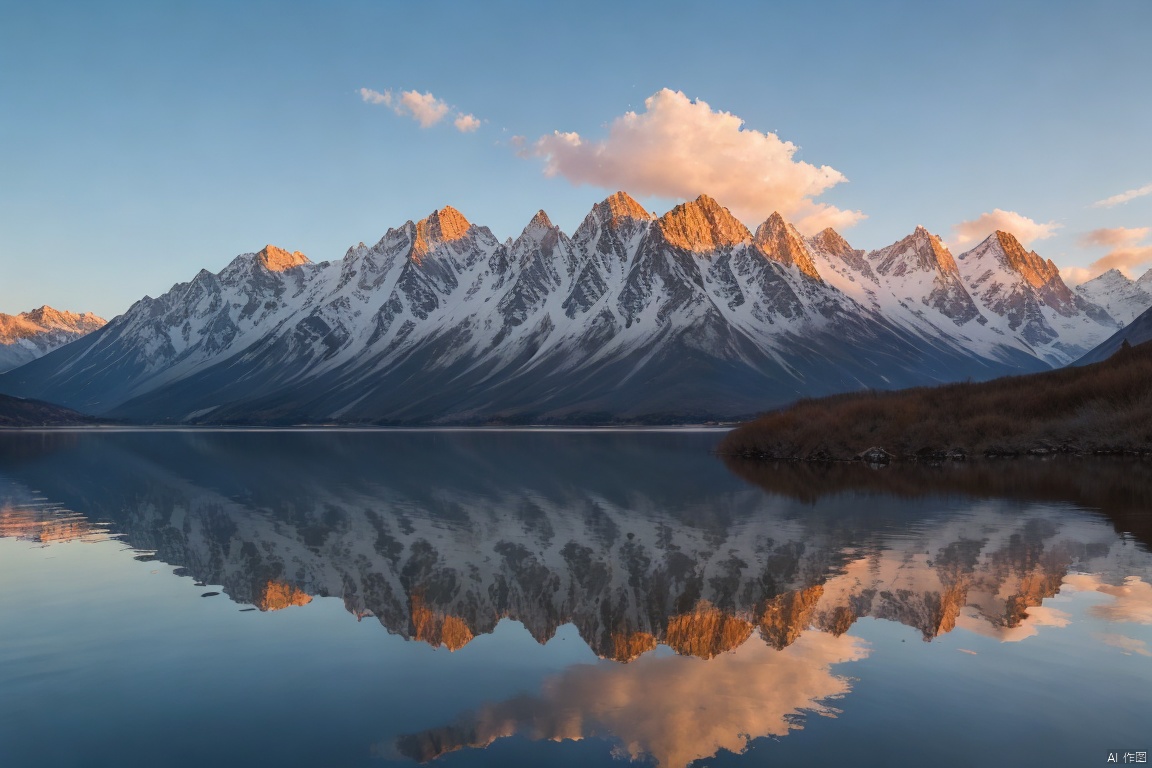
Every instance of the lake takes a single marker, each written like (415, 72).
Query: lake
(561, 598)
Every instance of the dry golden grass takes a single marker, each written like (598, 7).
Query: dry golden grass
(1106, 407)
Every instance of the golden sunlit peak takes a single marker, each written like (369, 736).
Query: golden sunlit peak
(541, 220)
(627, 646)
(706, 631)
(442, 226)
(277, 259)
(1029, 264)
(278, 595)
(436, 629)
(621, 205)
(702, 225)
(779, 241)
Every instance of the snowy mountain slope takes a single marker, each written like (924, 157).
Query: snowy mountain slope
(688, 315)
(1023, 295)
(1120, 296)
(29, 335)
(1138, 331)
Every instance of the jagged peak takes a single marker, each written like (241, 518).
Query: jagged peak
(619, 206)
(1112, 274)
(45, 313)
(829, 240)
(541, 220)
(702, 225)
(46, 319)
(1008, 242)
(781, 242)
(277, 259)
(921, 250)
(442, 226)
(1035, 270)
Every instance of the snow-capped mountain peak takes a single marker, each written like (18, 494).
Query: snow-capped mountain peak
(682, 316)
(1002, 251)
(29, 335)
(540, 221)
(921, 270)
(443, 226)
(831, 242)
(1027, 297)
(920, 251)
(781, 242)
(619, 206)
(1123, 298)
(277, 259)
(702, 226)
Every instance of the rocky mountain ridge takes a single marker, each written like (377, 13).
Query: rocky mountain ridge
(1120, 296)
(29, 335)
(633, 317)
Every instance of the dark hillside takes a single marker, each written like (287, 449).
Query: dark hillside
(17, 412)
(1101, 408)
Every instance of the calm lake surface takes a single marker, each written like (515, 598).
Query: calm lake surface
(520, 598)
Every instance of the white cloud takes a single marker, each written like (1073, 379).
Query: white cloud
(1116, 237)
(1025, 229)
(376, 97)
(424, 108)
(466, 123)
(680, 148)
(1123, 197)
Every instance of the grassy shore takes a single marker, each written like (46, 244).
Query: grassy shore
(1100, 408)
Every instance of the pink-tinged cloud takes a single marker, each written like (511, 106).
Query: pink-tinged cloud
(1025, 229)
(1116, 237)
(376, 97)
(1132, 600)
(424, 108)
(675, 709)
(1126, 254)
(1073, 276)
(1123, 197)
(1123, 642)
(679, 148)
(1129, 261)
(466, 123)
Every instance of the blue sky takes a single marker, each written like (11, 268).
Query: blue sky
(141, 142)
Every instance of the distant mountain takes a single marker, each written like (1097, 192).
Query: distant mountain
(1122, 297)
(634, 317)
(29, 335)
(1137, 332)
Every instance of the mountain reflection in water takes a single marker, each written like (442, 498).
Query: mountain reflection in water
(638, 540)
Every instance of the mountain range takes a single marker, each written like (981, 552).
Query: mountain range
(685, 316)
(29, 335)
